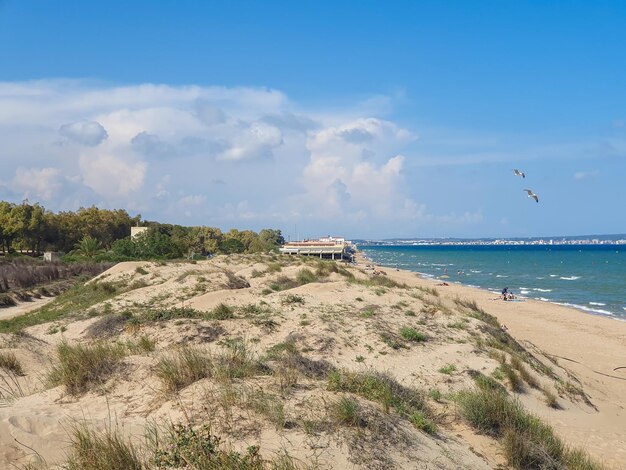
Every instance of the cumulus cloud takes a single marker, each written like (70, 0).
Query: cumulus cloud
(41, 183)
(216, 155)
(89, 133)
(112, 176)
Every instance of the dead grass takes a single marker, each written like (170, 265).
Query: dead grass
(10, 363)
(181, 368)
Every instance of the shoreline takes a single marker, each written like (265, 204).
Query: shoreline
(577, 307)
(589, 347)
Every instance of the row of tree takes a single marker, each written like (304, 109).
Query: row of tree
(94, 232)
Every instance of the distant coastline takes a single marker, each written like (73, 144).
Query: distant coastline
(619, 239)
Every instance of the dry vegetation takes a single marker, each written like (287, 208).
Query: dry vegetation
(263, 361)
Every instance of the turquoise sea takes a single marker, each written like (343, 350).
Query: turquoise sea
(591, 278)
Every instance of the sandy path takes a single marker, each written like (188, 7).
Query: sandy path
(24, 307)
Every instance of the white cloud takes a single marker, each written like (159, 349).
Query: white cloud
(582, 175)
(42, 183)
(87, 132)
(215, 155)
(112, 176)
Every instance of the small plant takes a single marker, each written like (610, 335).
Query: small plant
(550, 398)
(359, 299)
(141, 270)
(7, 301)
(421, 422)
(448, 369)
(347, 411)
(411, 334)
(187, 447)
(390, 341)
(291, 299)
(221, 312)
(10, 363)
(360, 359)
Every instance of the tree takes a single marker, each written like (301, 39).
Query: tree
(89, 247)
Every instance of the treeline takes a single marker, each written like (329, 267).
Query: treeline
(105, 235)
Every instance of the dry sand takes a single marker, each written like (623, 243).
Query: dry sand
(341, 323)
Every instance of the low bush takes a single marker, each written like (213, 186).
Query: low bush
(347, 411)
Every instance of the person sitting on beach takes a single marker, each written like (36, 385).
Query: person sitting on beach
(505, 293)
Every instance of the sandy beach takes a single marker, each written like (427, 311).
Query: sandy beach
(588, 346)
(339, 317)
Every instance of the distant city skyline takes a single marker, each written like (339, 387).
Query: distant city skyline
(361, 119)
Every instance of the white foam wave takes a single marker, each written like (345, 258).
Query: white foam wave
(599, 304)
(524, 292)
(542, 290)
(585, 308)
(569, 278)
(554, 275)
(501, 275)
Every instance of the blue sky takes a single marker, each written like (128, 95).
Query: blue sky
(369, 119)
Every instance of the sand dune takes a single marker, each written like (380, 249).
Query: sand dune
(333, 319)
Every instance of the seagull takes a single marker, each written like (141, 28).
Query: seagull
(516, 172)
(531, 194)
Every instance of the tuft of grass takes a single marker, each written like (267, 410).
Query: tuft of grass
(306, 276)
(10, 363)
(221, 312)
(182, 368)
(448, 369)
(107, 450)
(515, 382)
(81, 367)
(391, 341)
(421, 422)
(527, 441)
(291, 299)
(411, 334)
(347, 411)
(7, 301)
(484, 382)
(550, 398)
(237, 362)
(380, 388)
(141, 270)
(530, 379)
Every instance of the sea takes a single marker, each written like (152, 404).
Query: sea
(591, 278)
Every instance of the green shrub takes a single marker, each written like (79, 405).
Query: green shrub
(187, 447)
(221, 312)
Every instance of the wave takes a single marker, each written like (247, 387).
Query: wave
(501, 275)
(599, 304)
(585, 308)
(554, 275)
(542, 290)
(569, 278)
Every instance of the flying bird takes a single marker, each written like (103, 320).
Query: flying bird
(531, 194)
(516, 172)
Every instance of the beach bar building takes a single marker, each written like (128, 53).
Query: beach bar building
(326, 247)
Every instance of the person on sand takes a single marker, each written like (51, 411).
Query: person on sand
(505, 293)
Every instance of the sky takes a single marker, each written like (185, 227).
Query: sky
(364, 119)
